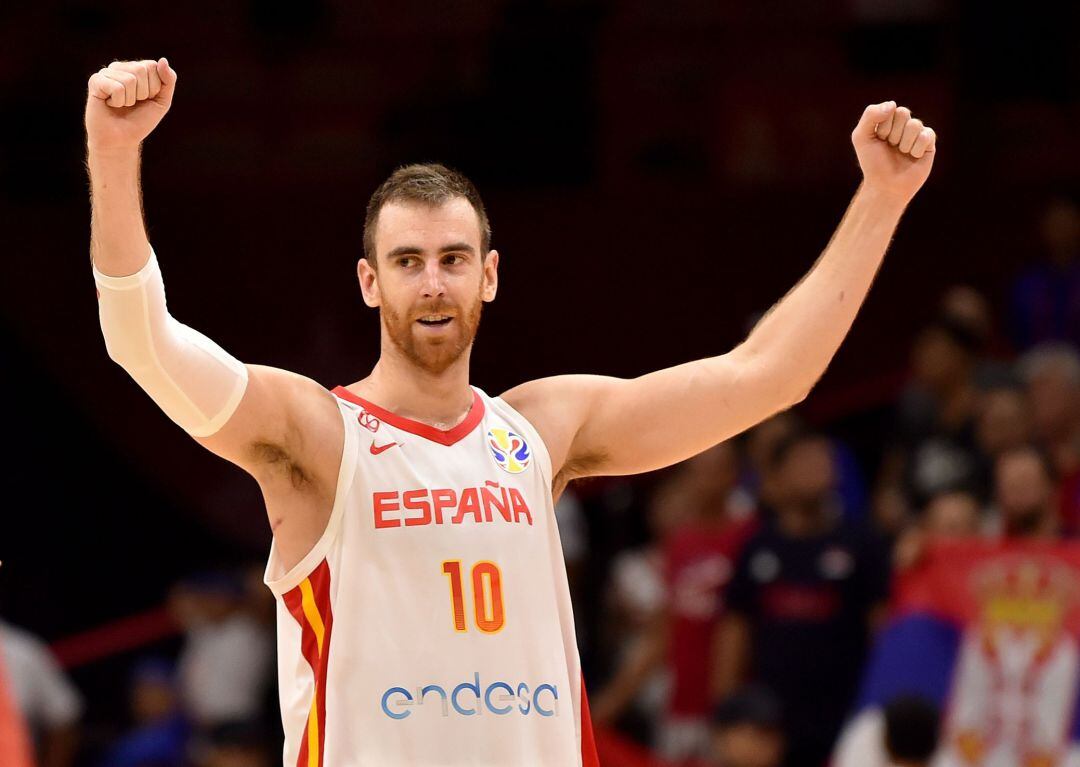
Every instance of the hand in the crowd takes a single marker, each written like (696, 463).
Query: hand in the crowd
(909, 550)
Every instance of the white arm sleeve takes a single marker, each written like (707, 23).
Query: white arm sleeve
(196, 382)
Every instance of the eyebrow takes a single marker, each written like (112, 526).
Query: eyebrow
(413, 250)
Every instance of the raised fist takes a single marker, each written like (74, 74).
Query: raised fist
(895, 150)
(125, 101)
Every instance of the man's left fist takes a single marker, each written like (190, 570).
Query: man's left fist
(895, 150)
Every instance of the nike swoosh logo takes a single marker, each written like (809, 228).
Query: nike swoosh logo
(376, 449)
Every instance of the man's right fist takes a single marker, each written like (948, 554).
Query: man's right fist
(125, 102)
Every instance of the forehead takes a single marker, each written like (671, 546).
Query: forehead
(404, 223)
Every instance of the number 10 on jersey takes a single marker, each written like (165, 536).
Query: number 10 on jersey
(486, 591)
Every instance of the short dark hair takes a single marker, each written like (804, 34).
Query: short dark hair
(958, 332)
(786, 444)
(427, 183)
(912, 727)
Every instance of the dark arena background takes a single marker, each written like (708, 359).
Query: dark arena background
(657, 174)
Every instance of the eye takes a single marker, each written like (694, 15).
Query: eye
(405, 261)
(453, 259)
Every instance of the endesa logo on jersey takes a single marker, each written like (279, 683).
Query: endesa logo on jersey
(472, 699)
(509, 450)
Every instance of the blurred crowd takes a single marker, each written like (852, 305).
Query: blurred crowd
(725, 605)
(735, 633)
(210, 702)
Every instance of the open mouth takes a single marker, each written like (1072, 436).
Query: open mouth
(435, 320)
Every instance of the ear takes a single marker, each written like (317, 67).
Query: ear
(369, 283)
(490, 281)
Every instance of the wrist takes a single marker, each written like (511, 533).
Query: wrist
(882, 199)
(112, 152)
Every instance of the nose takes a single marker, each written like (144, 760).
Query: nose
(433, 279)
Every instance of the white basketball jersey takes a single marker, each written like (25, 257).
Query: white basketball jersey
(431, 624)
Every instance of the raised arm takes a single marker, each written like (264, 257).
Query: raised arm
(282, 428)
(598, 425)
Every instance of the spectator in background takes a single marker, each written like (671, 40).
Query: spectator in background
(806, 592)
(1004, 420)
(968, 307)
(1026, 494)
(747, 730)
(637, 689)
(15, 749)
(49, 703)
(1051, 373)
(949, 514)
(225, 661)
(904, 734)
(699, 558)
(757, 480)
(698, 554)
(1045, 300)
(235, 744)
(574, 536)
(952, 514)
(160, 731)
(912, 727)
(937, 412)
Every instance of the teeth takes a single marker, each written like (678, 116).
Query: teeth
(435, 317)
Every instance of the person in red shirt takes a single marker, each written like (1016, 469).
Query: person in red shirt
(14, 740)
(698, 560)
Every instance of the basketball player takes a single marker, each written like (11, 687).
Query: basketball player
(424, 616)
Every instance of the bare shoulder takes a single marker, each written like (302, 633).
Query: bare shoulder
(289, 435)
(557, 407)
(287, 427)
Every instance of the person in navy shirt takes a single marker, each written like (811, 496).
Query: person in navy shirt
(807, 590)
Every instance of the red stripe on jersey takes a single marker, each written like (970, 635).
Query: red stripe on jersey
(589, 756)
(294, 602)
(448, 437)
(319, 583)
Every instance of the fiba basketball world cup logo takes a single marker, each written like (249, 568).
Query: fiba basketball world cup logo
(509, 450)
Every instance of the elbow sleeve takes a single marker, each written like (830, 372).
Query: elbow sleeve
(196, 382)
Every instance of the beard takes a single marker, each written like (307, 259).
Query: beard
(433, 354)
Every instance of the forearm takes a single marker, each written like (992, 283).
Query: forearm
(799, 336)
(192, 379)
(646, 655)
(118, 242)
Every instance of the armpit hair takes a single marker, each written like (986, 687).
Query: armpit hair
(581, 466)
(278, 461)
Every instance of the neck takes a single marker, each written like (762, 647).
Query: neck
(397, 384)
